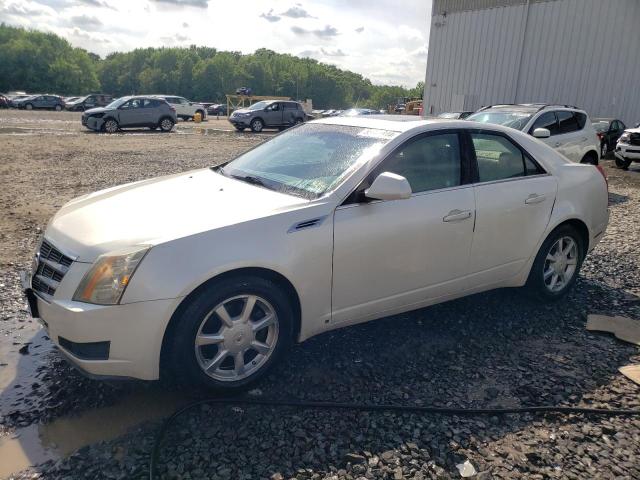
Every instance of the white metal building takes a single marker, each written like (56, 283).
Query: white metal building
(577, 52)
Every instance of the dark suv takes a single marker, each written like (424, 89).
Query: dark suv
(131, 112)
(268, 113)
(49, 102)
(90, 101)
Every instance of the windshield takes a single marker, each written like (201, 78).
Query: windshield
(449, 115)
(258, 106)
(117, 102)
(309, 160)
(512, 119)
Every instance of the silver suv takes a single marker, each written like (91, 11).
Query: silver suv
(268, 113)
(130, 112)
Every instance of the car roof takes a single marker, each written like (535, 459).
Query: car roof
(603, 119)
(396, 123)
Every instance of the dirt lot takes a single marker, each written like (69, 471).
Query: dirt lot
(493, 349)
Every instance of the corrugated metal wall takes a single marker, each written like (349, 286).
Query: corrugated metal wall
(579, 52)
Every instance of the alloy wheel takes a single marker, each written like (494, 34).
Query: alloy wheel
(166, 125)
(111, 126)
(236, 338)
(560, 264)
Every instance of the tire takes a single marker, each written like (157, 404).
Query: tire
(186, 358)
(110, 125)
(166, 124)
(590, 158)
(544, 277)
(604, 149)
(298, 121)
(623, 164)
(240, 129)
(256, 125)
(28, 106)
(58, 108)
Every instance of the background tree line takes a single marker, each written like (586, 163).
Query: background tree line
(43, 62)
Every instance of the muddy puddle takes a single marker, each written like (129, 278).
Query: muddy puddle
(32, 445)
(26, 131)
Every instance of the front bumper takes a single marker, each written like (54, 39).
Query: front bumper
(105, 341)
(92, 123)
(627, 152)
(240, 122)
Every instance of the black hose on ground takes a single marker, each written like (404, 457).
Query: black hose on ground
(362, 407)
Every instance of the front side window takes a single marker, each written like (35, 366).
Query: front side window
(274, 107)
(499, 159)
(547, 120)
(310, 160)
(133, 103)
(428, 163)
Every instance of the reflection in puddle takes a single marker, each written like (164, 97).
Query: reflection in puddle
(38, 443)
(33, 131)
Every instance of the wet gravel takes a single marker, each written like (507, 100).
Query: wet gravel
(493, 349)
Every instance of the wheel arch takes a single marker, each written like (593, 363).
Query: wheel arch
(591, 154)
(580, 226)
(261, 272)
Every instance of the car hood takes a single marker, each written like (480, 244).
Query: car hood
(243, 110)
(95, 110)
(158, 210)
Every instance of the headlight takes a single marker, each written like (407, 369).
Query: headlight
(109, 276)
(625, 137)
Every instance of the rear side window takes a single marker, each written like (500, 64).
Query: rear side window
(500, 159)
(567, 121)
(582, 120)
(290, 106)
(428, 163)
(547, 120)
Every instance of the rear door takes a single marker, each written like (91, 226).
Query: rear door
(570, 141)
(514, 198)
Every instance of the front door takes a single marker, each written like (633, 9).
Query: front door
(131, 114)
(273, 114)
(514, 199)
(391, 256)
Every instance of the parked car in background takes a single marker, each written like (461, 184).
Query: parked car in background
(185, 109)
(431, 210)
(217, 109)
(89, 101)
(354, 112)
(130, 112)
(268, 114)
(455, 115)
(16, 98)
(70, 99)
(609, 131)
(565, 128)
(4, 101)
(42, 102)
(628, 148)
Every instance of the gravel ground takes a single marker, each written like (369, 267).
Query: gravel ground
(488, 350)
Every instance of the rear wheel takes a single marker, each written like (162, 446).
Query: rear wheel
(58, 108)
(590, 158)
(298, 121)
(257, 125)
(230, 333)
(28, 106)
(110, 126)
(557, 264)
(166, 124)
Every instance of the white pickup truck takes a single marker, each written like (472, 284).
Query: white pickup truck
(184, 108)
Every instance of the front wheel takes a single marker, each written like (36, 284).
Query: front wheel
(622, 163)
(230, 333)
(256, 125)
(166, 124)
(111, 126)
(604, 149)
(28, 106)
(557, 264)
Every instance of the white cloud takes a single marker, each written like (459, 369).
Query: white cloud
(365, 36)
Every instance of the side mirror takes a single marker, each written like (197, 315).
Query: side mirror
(389, 186)
(541, 133)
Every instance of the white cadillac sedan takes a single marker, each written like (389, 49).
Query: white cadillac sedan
(209, 275)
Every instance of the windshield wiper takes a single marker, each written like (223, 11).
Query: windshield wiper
(250, 179)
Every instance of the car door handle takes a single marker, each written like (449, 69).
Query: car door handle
(535, 198)
(457, 215)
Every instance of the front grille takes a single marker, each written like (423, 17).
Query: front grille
(634, 139)
(51, 267)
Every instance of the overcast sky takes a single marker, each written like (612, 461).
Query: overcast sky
(384, 40)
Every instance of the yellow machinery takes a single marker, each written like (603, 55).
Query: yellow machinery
(412, 106)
